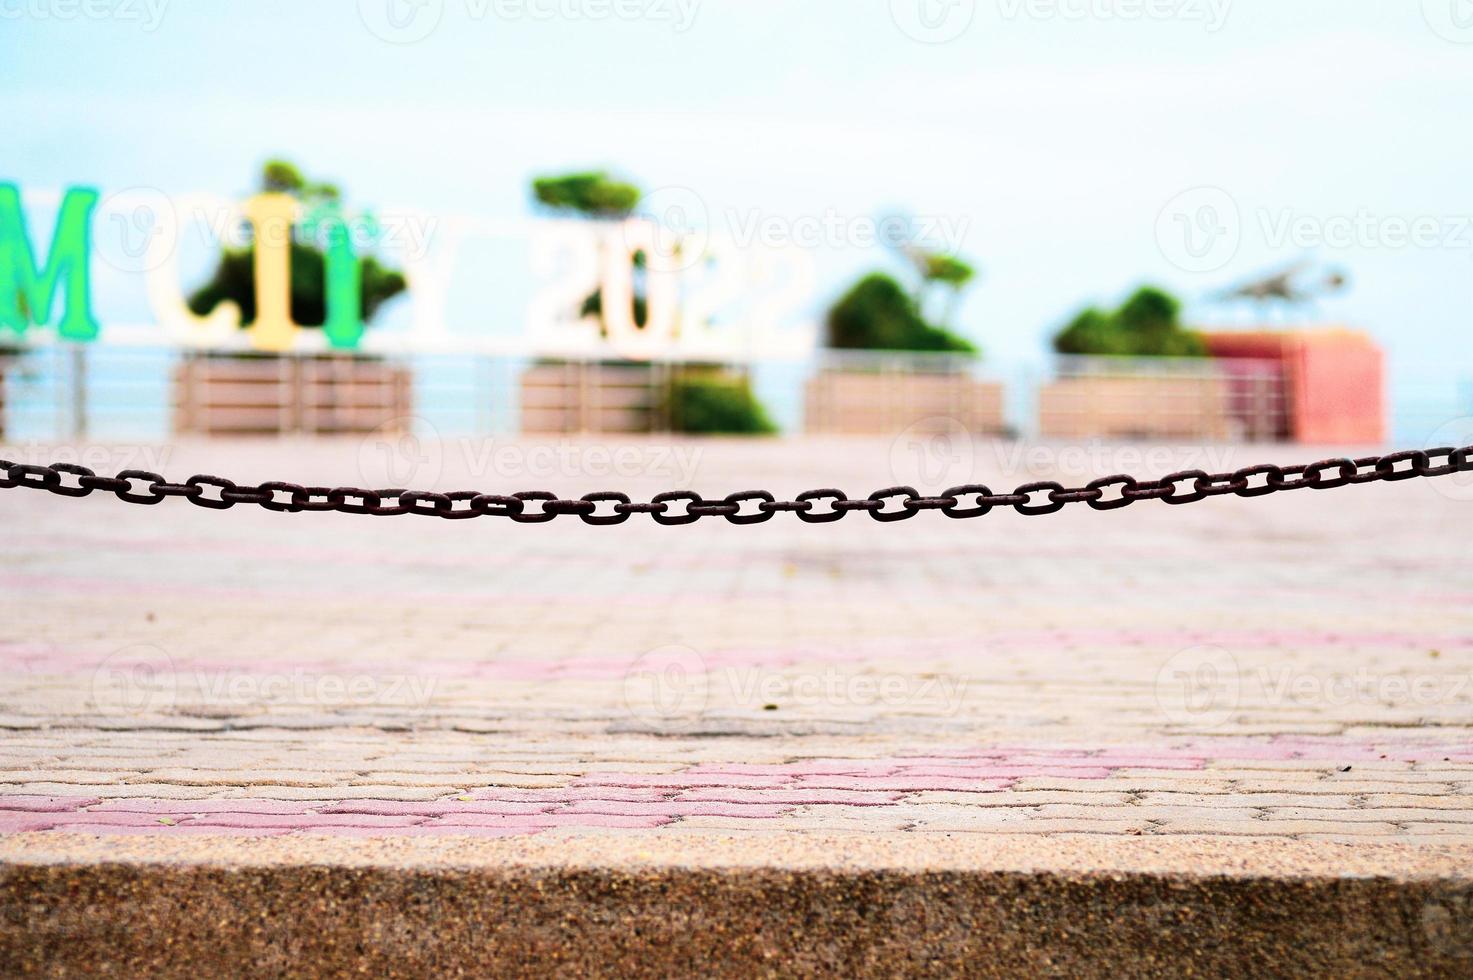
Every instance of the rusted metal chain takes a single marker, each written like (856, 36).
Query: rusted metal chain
(747, 507)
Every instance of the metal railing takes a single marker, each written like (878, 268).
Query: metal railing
(52, 390)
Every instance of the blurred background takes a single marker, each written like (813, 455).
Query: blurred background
(1191, 220)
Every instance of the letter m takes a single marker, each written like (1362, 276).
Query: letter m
(26, 292)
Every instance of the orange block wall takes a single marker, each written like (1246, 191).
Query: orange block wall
(1335, 380)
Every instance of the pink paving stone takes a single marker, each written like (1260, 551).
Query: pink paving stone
(682, 779)
(21, 821)
(1146, 761)
(830, 768)
(187, 807)
(421, 831)
(904, 784)
(187, 829)
(116, 819)
(795, 797)
(1006, 772)
(631, 794)
(302, 821)
(678, 809)
(549, 820)
(391, 808)
(46, 804)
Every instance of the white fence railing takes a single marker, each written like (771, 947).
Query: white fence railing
(56, 391)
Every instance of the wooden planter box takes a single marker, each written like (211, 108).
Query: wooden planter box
(574, 396)
(861, 403)
(1136, 408)
(222, 394)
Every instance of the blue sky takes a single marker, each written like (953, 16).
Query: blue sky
(1055, 132)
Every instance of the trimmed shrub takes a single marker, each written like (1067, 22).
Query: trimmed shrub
(1147, 324)
(713, 403)
(877, 314)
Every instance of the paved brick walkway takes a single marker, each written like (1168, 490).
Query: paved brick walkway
(1298, 667)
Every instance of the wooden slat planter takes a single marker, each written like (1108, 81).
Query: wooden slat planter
(575, 396)
(220, 394)
(1135, 408)
(860, 402)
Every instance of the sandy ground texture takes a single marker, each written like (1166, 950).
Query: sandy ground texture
(1269, 690)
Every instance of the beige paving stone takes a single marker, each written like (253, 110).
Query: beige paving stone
(1031, 664)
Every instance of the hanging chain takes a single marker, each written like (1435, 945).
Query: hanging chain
(748, 506)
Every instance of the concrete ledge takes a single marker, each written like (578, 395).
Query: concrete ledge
(880, 907)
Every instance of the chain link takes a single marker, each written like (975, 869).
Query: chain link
(678, 507)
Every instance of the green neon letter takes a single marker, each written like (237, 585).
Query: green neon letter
(344, 327)
(25, 291)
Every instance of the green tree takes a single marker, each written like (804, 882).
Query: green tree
(590, 194)
(234, 278)
(596, 196)
(1147, 324)
(878, 314)
(940, 270)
